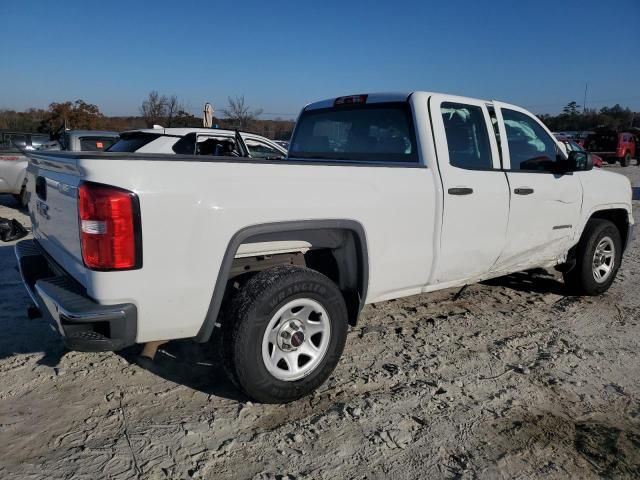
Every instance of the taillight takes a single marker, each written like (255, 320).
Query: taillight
(109, 227)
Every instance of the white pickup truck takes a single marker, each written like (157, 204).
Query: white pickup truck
(381, 196)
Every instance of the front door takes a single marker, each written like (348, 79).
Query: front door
(545, 205)
(476, 193)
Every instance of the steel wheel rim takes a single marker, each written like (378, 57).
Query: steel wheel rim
(296, 339)
(604, 259)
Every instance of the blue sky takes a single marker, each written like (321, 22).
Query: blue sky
(284, 54)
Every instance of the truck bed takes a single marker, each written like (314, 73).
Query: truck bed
(191, 208)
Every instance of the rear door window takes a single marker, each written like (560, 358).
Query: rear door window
(467, 136)
(379, 132)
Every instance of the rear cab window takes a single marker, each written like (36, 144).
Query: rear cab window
(131, 142)
(96, 144)
(368, 133)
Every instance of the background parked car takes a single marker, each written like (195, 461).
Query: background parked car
(573, 146)
(23, 141)
(283, 143)
(83, 141)
(198, 141)
(612, 146)
(580, 137)
(13, 168)
(13, 161)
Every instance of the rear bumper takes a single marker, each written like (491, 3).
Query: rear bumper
(85, 325)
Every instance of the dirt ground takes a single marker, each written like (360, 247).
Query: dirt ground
(513, 379)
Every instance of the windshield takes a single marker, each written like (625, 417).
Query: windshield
(375, 132)
(131, 142)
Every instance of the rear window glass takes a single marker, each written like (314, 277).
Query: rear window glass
(381, 132)
(467, 136)
(132, 141)
(96, 144)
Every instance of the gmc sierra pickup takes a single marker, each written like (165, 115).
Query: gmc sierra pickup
(381, 196)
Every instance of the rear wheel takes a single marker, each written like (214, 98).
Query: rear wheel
(22, 197)
(597, 259)
(626, 160)
(284, 333)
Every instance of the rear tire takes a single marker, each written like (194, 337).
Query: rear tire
(626, 160)
(22, 197)
(270, 325)
(598, 257)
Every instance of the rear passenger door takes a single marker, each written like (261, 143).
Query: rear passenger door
(545, 205)
(476, 193)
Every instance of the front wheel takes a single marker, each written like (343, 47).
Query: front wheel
(598, 259)
(284, 333)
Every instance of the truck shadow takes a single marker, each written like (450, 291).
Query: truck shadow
(19, 334)
(532, 281)
(194, 365)
(181, 361)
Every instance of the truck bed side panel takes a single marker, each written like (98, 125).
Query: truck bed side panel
(191, 210)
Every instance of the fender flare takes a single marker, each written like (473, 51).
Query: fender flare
(298, 228)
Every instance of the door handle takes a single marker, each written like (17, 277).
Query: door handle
(523, 191)
(460, 191)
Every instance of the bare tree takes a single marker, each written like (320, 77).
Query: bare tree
(239, 112)
(154, 108)
(162, 109)
(174, 108)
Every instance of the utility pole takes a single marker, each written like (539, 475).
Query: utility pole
(584, 103)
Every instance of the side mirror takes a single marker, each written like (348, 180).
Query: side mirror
(579, 161)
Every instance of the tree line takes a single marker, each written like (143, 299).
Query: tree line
(574, 118)
(156, 109)
(170, 111)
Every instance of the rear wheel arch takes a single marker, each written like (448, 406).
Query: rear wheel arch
(339, 251)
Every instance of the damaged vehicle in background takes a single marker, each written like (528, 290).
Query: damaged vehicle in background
(570, 145)
(612, 146)
(82, 141)
(198, 141)
(381, 196)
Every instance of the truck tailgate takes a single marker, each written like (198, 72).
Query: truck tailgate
(52, 183)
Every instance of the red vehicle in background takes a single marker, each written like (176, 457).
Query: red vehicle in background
(612, 146)
(573, 146)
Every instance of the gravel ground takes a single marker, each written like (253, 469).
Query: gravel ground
(511, 379)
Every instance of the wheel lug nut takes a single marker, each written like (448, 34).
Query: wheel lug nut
(286, 335)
